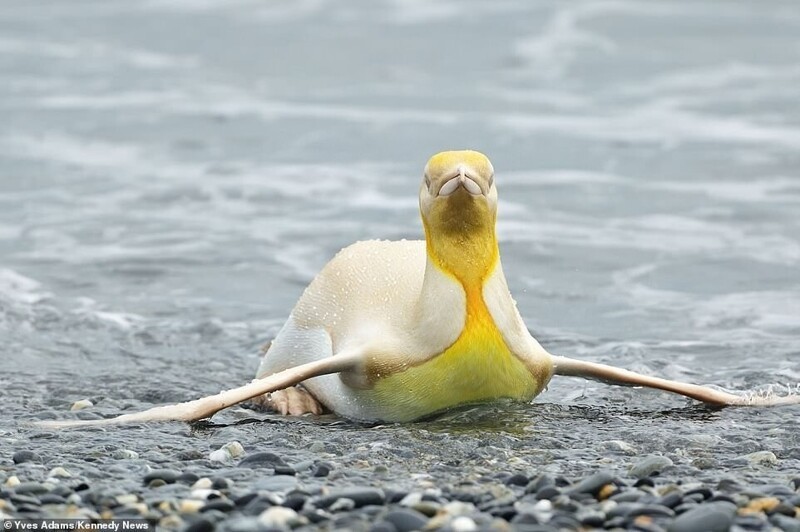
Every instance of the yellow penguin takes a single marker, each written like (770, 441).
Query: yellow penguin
(396, 331)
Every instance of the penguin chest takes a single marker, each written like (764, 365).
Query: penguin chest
(477, 367)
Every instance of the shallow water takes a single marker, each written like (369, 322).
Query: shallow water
(173, 173)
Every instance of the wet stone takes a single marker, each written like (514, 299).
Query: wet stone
(784, 509)
(405, 520)
(167, 476)
(295, 502)
(593, 519)
(693, 497)
(32, 488)
(503, 512)
(201, 525)
(342, 505)
(20, 457)
(787, 524)
(124, 454)
(277, 483)
(221, 483)
(627, 496)
(243, 524)
(671, 500)
(703, 493)
(652, 510)
(650, 465)
(20, 500)
(257, 506)
(223, 505)
(262, 459)
(321, 470)
(751, 522)
(188, 478)
(517, 479)
(593, 483)
(709, 517)
(761, 459)
(541, 481)
(548, 493)
(285, 470)
(564, 522)
(49, 498)
(359, 496)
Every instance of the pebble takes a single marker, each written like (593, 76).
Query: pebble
(650, 465)
(517, 479)
(12, 481)
(321, 470)
(359, 496)
(708, 517)
(223, 505)
(80, 405)
(463, 524)
(227, 452)
(190, 506)
(592, 483)
(202, 484)
(787, 524)
(406, 520)
(124, 454)
(278, 516)
(342, 505)
(166, 476)
(262, 459)
(31, 488)
(20, 457)
(761, 459)
(201, 525)
(317, 447)
(59, 472)
(619, 446)
(279, 483)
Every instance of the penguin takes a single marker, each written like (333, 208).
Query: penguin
(396, 331)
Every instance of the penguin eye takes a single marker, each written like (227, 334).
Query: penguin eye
(491, 180)
(427, 181)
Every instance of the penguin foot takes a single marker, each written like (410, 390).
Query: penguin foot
(292, 401)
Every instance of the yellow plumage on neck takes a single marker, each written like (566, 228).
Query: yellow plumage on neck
(478, 366)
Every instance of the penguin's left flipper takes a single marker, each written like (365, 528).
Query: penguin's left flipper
(613, 375)
(208, 406)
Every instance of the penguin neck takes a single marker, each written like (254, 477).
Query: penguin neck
(469, 255)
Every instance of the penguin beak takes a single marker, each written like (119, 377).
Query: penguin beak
(460, 180)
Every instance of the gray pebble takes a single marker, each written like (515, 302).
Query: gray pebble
(223, 505)
(761, 459)
(278, 483)
(321, 470)
(649, 465)
(593, 483)
(31, 488)
(20, 457)
(517, 479)
(342, 505)
(168, 476)
(262, 459)
(787, 524)
(359, 496)
(709, 517)
(405, 520)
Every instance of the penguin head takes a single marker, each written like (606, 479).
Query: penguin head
(457, 193)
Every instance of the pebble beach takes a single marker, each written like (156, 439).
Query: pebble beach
(173, 173)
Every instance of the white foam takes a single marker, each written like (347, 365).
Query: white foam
(88, 50)
(657, 121)
(17, 288)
